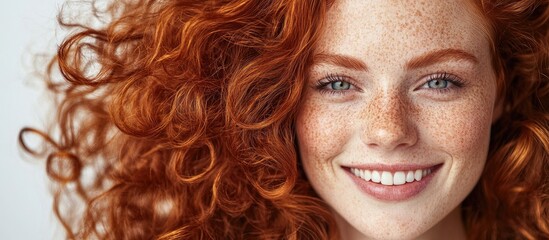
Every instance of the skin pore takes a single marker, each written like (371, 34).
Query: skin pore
(398, 84)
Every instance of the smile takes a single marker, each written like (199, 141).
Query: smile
(392, 183)
(388, 178)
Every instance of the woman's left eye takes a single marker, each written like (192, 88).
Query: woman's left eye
(442, 82)
(437, 83)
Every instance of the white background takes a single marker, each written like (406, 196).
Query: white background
(28, 27)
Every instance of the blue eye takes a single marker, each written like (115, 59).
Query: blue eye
(442, 82)
(438, 83)
(334, 84)
(340, 85)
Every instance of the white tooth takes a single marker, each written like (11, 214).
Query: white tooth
(399, 178)
(386, 178)
(428, 171)
(418, 175)
(367, 175)
(376, 177)
(424, 172)
(361, 173)
(410, 176)
(354, 171)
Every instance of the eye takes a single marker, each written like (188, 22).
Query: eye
(340, 85)
(437, 83)
(442, 82)
(334, 84)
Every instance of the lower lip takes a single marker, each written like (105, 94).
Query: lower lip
(394, 192)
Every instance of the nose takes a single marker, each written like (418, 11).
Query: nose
(388, 123)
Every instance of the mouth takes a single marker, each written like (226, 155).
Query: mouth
(389, 178)
(392, 183)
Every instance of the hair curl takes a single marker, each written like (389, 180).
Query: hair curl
(511, 199)
(176, 120)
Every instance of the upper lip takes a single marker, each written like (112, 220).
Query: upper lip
(393, 167)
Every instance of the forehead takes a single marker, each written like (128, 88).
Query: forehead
(403, 26)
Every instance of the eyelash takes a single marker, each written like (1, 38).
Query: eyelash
(453, 81)
(322, 84)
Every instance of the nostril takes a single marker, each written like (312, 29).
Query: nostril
(393, 138)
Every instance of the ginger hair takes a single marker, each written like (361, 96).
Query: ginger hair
(175, 120)
(511, 199)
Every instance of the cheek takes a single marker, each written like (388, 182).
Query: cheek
(321, 132)
(461, 130)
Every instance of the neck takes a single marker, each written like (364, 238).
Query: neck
(451, 228)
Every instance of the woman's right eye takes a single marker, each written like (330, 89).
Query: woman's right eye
(334, 84)
(340, 85)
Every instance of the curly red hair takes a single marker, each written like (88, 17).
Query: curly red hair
(176, 120)
(511, 199)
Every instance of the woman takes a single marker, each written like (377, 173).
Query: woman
(304, 120)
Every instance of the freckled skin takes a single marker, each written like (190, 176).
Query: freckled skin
(390, 117)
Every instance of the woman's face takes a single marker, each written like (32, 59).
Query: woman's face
(394, 129)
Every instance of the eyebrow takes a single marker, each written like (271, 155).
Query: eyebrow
(340, 60)
(440, 55)
(418, 62)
